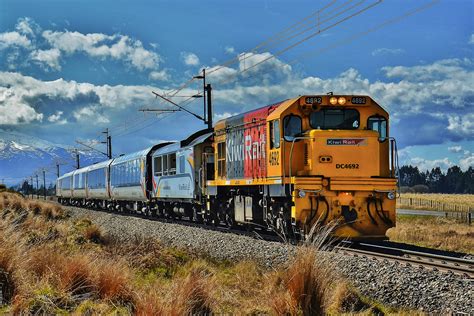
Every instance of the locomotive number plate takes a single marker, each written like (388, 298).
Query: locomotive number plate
(358, 100)
(313, 100)
(347, 166)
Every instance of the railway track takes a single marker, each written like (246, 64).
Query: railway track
(424, 258)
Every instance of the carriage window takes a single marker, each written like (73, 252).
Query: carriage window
(275, 134)
(335, 119)
(379, 124)
(291, 127)
(172, 163)
(165, 165)
(182, 163)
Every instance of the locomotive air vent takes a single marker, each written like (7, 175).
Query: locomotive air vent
(306, 154)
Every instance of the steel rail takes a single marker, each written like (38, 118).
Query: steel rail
(460, 266)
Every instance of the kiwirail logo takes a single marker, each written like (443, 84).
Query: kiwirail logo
(347, 142)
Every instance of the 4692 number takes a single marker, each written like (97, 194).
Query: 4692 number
(347, 166)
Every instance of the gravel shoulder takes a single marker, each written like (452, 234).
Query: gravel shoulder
(387, 282)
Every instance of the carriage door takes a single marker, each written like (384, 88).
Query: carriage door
(209, 165)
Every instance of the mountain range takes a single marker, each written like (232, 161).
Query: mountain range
(23, 156)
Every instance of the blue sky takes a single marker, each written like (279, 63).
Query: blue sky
(69, 69)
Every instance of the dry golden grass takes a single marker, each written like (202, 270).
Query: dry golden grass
(433, 232)
(59, 266)
(463, 201)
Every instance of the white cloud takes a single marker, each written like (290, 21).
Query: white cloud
(118, 47)
(26, 26)
(88, 113)
(49, 59)
(19, 94)
(455, 149)
(387, 51)
(56, 118)
(218, 117)
(13, 39)
(14, 110)
(190, 59)
(426, 164)
(462, 125)
(471, 39)
(466, 162)
(221, 74)
(229, 50)
(161, 75)
(254, 63)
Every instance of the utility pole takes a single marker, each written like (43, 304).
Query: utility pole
(57, 169)
(77, 159)
(44, 184)
(207, 98)
(108, 141)
(37, 187)
(208, 89)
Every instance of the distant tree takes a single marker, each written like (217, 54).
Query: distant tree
(468, 181)
(26, 188)
(410, 176)
(454, 180)
(436, 181)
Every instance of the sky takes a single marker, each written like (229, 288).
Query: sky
(70, 69)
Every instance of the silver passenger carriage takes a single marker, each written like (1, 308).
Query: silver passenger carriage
(177, 175)
(98, 184)
(64, 187)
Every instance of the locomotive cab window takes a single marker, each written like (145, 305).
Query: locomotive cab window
(379, 124)
(275, 134)
(291, 127)
(335, 119)
(221, 156)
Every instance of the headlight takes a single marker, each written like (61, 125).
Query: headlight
(391, 195)
(301, 193)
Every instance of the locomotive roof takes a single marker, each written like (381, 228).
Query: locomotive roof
(240, 115)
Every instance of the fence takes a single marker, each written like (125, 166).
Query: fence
(463, 213)
(419, 203)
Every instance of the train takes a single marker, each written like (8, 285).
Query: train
(285, 167)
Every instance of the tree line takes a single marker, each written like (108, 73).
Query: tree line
(436, 181)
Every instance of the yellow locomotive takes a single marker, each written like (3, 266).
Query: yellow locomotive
(308, 160)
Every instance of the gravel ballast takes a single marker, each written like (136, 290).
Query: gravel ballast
(387, 282)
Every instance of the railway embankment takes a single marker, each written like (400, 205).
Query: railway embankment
(390, 283)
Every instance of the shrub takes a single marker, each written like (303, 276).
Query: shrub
(420, 188)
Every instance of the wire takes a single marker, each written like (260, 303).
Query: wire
(361, 34)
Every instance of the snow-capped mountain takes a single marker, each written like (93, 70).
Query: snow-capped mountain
(23, 155)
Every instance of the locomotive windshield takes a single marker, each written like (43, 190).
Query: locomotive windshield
(335, 119)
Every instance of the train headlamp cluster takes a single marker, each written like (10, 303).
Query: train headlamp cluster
(391, 195)
(301, 193)
(336, 100)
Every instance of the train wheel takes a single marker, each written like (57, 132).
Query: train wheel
(196, 216)
(229, 219)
